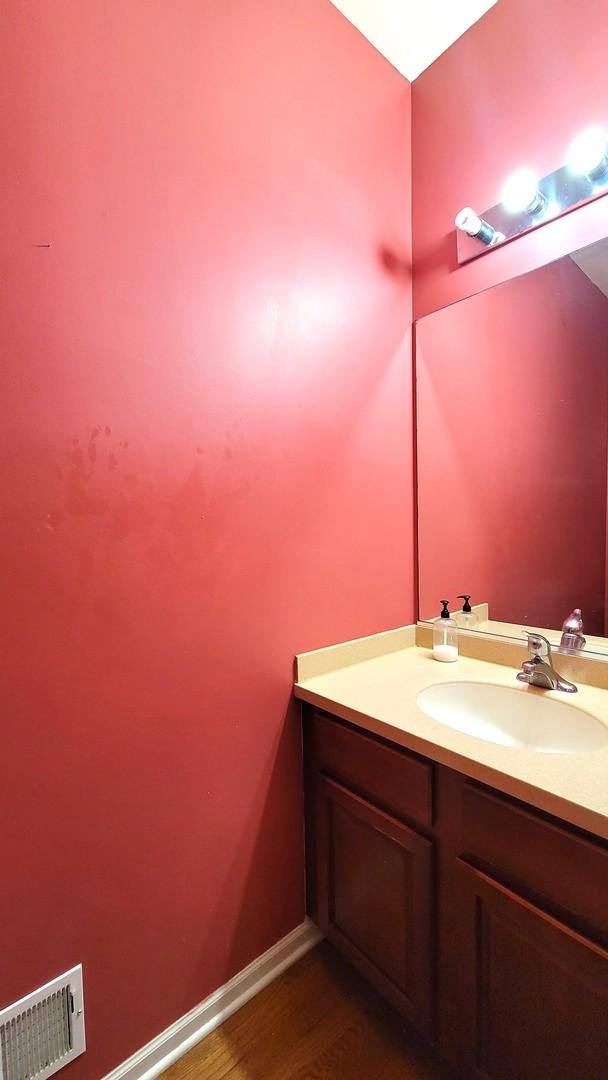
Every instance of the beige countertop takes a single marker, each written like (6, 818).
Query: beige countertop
(594, 644)
(515, 630)
(378, 693)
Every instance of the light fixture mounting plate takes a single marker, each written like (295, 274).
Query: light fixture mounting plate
(563, 189)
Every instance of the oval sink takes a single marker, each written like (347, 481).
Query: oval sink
(511, 717)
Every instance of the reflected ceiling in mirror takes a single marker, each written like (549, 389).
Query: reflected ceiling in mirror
(512, 410)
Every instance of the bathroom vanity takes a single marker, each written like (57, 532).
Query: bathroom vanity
(467, 881)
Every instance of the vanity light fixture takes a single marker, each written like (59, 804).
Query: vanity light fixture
(470, 222)
(529, 200)
(588, 153)
(520, 194)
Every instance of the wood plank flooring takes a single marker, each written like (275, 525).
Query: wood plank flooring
(317, 1021)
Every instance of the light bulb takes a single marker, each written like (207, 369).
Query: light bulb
(520, 194)
(470, 222)
(467, 220)
(588, 153)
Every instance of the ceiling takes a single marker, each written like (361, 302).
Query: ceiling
(593, 261)
(412, 33)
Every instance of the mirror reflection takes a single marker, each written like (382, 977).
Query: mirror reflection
(512, 406)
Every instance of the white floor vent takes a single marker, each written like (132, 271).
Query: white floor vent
(44, 1031)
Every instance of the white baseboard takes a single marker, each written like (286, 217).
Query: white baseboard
(175, 1041)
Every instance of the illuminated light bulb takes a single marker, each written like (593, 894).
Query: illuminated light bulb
(468, 221)
(520, 194)
(588, 153)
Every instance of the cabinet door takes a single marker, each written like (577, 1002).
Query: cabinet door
(533, 993)
(374, 889)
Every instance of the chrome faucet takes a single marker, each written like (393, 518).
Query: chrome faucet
(539, 670)
(572, 632)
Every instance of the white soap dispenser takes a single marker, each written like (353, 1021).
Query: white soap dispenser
(445, 637)
(467, 618)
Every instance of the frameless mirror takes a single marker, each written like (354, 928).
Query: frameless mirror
(512, 429)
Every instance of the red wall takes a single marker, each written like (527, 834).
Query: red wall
(512, 401)
(512, 91)
(206, 467)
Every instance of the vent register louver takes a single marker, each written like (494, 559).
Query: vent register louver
(44, 1031)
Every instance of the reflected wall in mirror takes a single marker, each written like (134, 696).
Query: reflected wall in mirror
(512, 422)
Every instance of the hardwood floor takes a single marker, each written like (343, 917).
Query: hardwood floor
(317, 1021)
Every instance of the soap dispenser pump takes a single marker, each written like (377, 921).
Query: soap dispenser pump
(445, 636)
(467, 618)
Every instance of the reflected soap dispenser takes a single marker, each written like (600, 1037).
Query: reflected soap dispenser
(467, 618)
(445, 636)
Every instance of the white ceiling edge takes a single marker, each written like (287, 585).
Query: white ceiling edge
(593, 261)
(412, 33)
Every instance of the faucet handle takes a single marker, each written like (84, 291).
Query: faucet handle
(538, 644)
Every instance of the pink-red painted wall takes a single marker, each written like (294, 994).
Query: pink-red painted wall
(512, 402)
(512, 91)
(205, 464)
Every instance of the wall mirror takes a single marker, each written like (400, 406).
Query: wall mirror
(512, 411)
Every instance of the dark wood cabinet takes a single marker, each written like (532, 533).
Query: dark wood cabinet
(533, 992)
(483, 921)
(374, 896)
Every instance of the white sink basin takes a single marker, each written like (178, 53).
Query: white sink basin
(511, 717)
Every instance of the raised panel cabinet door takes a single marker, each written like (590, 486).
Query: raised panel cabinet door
(374, 896)
(533, 992)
